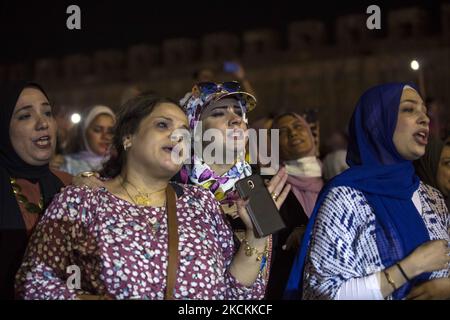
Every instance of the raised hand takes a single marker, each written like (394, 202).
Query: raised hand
(277, 188)
(430, 256)
(437, 289)
(89, 179)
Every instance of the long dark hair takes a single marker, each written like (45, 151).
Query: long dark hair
(129, 118)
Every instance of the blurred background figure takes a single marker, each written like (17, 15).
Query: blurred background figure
(298, 154)
(64, 125)
(234, 68)
(90, 146)
(237, 71)
(204, 74)
(264, 123)
(443, 174)
(129, 93)
(439, 118)
(335, 160)
(311, 115)
(433, 168)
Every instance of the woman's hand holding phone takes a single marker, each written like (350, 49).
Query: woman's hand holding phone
(278, 189)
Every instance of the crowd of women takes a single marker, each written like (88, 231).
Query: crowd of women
(138, 225)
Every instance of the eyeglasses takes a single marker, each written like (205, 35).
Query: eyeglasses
(207, 88)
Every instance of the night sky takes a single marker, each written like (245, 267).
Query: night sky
(34, 29)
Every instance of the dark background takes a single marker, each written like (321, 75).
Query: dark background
(34, 29)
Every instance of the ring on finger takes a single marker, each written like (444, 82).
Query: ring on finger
(87, 174)
(274, 196)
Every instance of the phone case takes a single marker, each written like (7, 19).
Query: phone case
(262, 210)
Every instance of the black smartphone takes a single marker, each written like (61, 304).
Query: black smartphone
(263, 212)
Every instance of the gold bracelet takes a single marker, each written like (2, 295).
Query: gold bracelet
(249, 251)
(389, 280)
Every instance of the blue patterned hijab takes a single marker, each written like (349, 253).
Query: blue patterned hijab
(387, 180)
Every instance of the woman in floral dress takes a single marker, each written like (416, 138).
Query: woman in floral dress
(115, 238)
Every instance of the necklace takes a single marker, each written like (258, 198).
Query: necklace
(141, 199)
(29, 206)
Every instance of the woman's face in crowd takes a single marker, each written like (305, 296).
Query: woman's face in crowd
(295, 141)
(443, 172)
(226, 116)
(32, 128)
(411, 133)
(99, 134)
(152, 145)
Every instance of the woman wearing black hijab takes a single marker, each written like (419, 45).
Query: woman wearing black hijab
(27, 185)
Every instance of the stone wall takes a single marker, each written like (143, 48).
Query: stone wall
(316, 70)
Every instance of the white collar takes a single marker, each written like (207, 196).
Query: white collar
(304, 167)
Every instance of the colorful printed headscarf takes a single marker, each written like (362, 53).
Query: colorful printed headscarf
(222, 186)
(196, 101)
(199, 172)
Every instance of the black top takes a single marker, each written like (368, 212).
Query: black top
(293, 216)
(13, 237)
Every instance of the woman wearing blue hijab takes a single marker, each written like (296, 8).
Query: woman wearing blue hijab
(376, 231)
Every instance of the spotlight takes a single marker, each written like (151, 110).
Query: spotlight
(75, 118)
(415, 65)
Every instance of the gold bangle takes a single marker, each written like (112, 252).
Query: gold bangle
(249, 250)
(389, 280)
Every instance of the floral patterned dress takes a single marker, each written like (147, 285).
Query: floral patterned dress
(121, 249)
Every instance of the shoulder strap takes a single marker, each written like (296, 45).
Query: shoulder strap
(172, 264)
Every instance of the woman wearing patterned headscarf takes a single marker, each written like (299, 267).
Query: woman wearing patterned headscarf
(224, 109)
(376, 231)
(221, 110)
